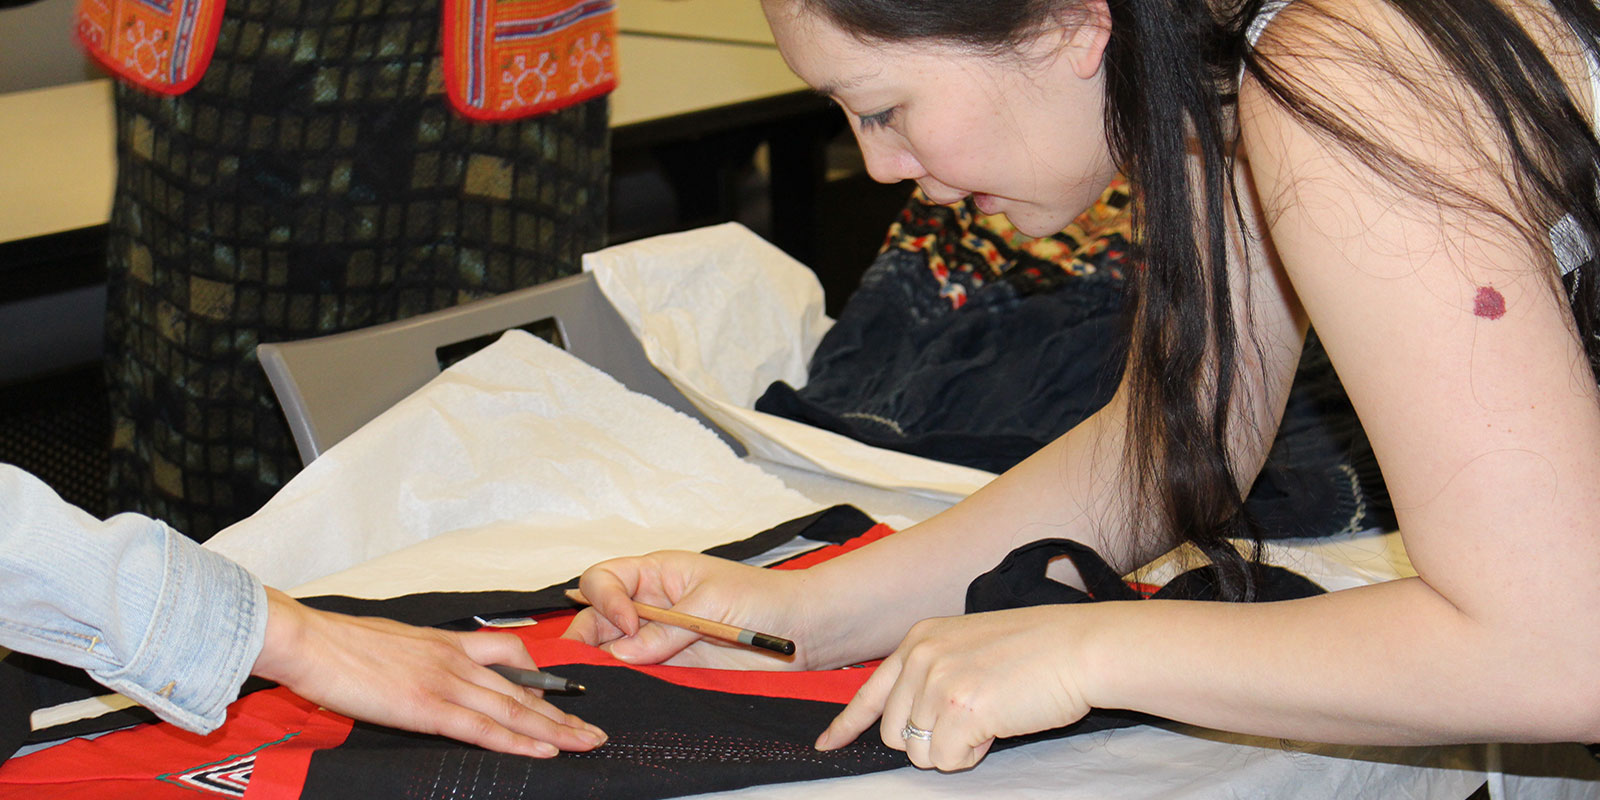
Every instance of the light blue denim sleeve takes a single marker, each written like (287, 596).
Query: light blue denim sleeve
(145, 610)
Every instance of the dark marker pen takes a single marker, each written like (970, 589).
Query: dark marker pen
(535, 679)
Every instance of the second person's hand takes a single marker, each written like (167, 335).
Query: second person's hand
(419, 679)
(958, 683)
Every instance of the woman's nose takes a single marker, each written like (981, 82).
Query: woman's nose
(888, 162)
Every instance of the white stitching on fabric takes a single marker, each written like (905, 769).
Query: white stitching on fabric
(884, 421)
(1354, 525)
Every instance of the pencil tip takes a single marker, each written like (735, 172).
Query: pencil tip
(773, 643)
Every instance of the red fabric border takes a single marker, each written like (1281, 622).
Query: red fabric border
(822, 554)
(129, 763)
(459, 28)
(103, 53)
(281, 772)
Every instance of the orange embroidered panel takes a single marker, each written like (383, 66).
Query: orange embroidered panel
(162, 45)
(505, 59)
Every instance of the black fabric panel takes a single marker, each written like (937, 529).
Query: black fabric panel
(451, 610)
(1272, 583)
(1320, 476)
(665, 741)
(835, 525)
(111, 721)
(455, 610)
(28, 683)
(1020, 581)
(16, 704)
(50, 683)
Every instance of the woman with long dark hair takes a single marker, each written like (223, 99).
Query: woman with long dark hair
(1418, 179)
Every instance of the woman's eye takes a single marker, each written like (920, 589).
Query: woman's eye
(878, 120)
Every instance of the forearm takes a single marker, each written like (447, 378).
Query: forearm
(1394, 663)
(1069, 489)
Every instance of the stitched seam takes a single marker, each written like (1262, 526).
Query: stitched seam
(1354, 525)
(70, 639)
(884, 421)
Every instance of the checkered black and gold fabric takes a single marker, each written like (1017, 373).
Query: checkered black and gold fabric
(314, 181)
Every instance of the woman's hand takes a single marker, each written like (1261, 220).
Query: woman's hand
(717, 589)
(419, 679)
(966, 681)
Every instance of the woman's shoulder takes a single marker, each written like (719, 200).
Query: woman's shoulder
(1318, 30)
(1388, 35)
(1381, 86)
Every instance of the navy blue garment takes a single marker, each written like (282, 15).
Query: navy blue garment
(983, 386)
(1028, 356)
(1321, 476)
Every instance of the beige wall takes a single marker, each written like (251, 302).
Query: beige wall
(37, 49)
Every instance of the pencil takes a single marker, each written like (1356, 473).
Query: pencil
(536, 679)
(703, 626)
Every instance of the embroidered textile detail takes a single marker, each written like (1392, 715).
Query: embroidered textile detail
(262, 751)
(228, 777)
(1359, 519)
(966, 250)
(161, 45)
(667, 749)
(505, 59)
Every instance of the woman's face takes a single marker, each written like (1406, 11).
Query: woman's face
(1022, 133)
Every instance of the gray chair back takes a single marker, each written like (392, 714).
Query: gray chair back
(331, 385)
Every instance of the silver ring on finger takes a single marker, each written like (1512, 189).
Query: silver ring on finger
(911, 731)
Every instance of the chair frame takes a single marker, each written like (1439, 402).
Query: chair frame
(331, 385)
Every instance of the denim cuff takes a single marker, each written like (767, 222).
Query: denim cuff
(205, 632)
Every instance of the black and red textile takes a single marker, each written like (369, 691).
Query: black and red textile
(673, 730)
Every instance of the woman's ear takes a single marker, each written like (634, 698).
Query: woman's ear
(1088, 32)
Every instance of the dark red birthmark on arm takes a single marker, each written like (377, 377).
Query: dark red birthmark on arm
(1489, 304)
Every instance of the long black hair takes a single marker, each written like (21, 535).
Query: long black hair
(1172, 70)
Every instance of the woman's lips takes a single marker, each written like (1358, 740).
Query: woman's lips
(986, 203)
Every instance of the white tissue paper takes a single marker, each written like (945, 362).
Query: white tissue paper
(723, 313)
(519, 448)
